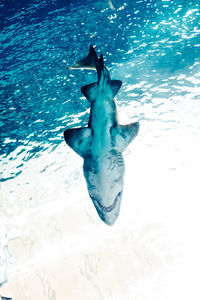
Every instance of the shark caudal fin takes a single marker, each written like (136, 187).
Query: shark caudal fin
(101, 70)
(89, 62)
(90, 91)
(105, 78)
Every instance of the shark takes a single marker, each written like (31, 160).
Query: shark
(102, 142)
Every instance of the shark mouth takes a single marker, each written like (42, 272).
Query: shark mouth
(111, 207)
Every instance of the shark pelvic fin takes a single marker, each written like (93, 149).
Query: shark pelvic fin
(78, 139)
(89, 62)
(115, 86)
(90, 91)
(104, 80)
(122, 135)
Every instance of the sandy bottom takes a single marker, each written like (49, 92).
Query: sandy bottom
(62, 250)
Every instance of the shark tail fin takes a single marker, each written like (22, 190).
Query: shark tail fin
(102, 71)
(104, 76)
(89, 62)
(100, 67)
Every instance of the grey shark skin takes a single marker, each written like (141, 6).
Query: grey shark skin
(101, 144)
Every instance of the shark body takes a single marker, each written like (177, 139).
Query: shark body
(102, 142)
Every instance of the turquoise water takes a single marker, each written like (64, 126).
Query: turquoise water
(154, 42)
(153, 47)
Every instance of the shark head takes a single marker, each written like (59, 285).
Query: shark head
(105, 184)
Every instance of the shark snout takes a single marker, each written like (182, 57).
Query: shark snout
(108, 213)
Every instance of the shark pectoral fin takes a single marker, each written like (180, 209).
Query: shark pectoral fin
(115, 86)
(90, 91)
(78, 139)
(122, 135)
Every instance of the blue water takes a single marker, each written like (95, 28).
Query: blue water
(152, 46)
(152, 41)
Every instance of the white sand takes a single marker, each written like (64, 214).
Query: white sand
(62, 250)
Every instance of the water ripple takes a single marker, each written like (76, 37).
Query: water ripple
(154, 54)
